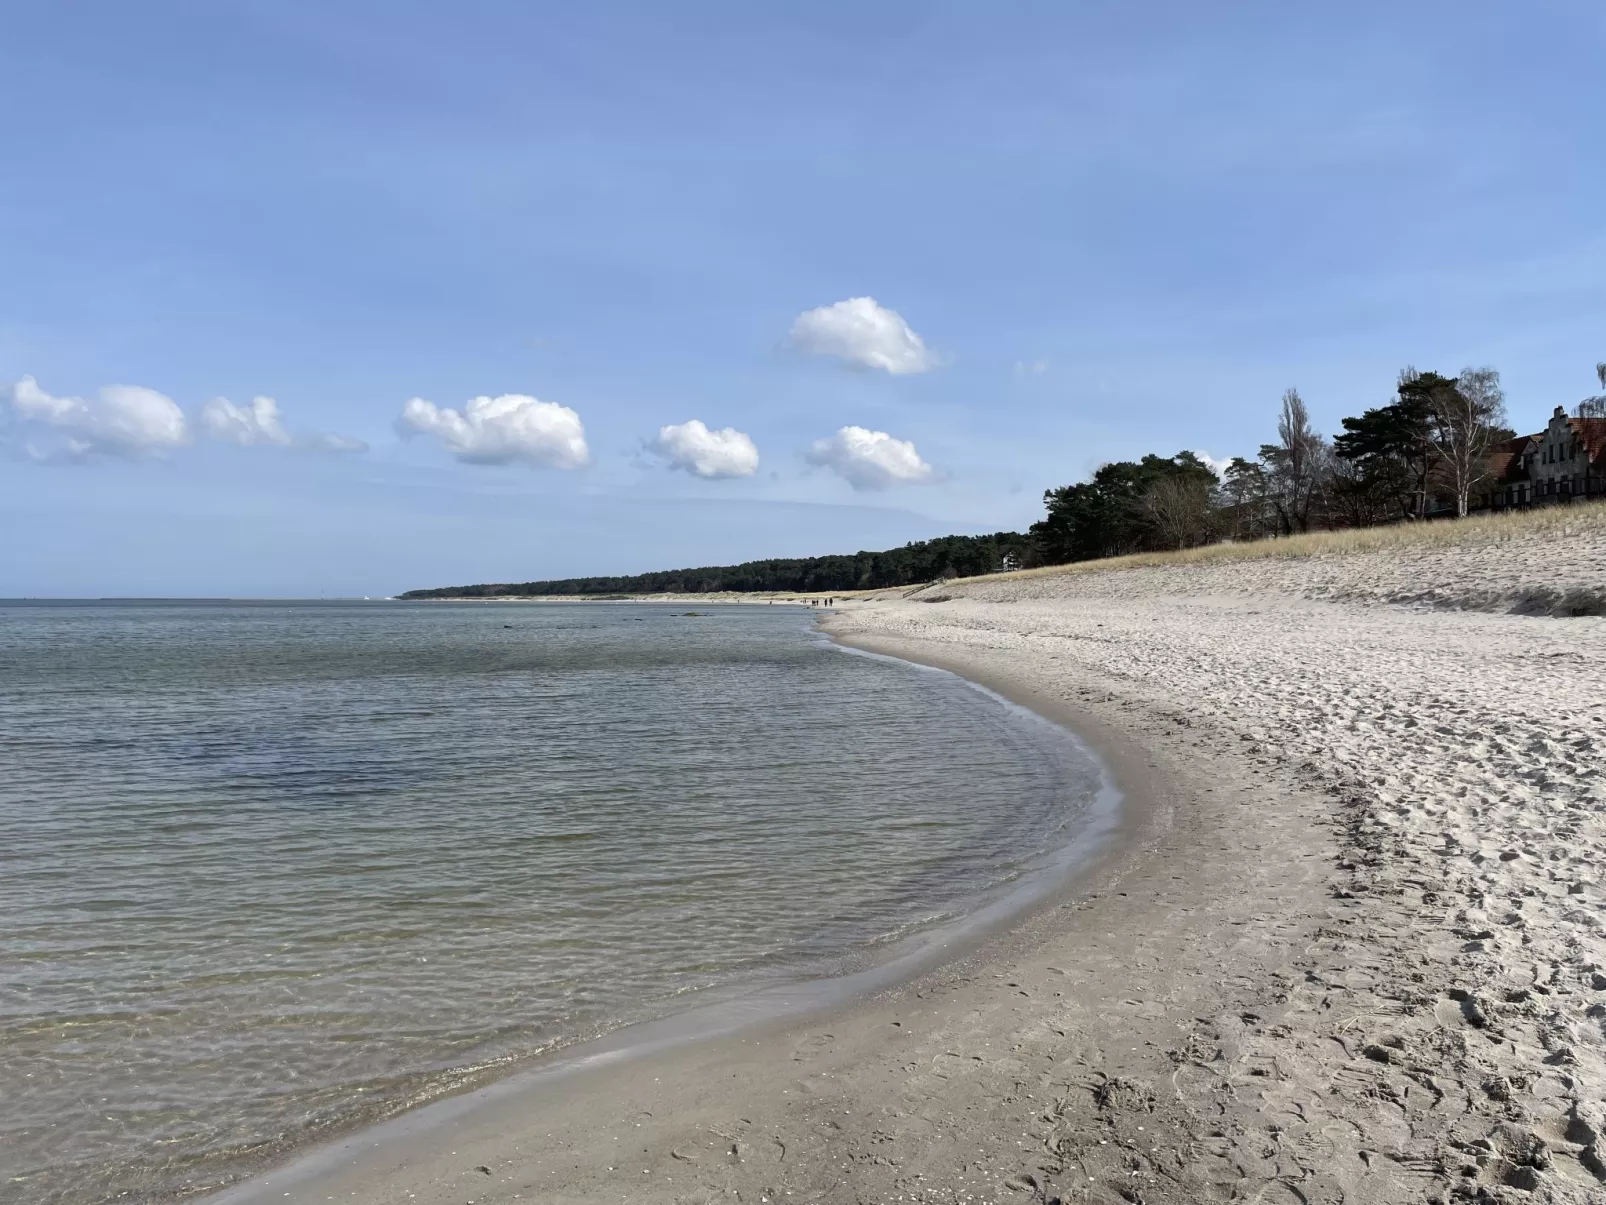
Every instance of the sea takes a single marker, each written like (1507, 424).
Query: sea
(273, 870)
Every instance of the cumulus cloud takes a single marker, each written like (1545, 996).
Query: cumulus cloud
(501, 430)
(261, 425)
(703, 453)
(120, 420)
(1220, 466)
(870, 460)
(865, 334)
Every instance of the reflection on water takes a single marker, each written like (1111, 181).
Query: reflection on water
(269, 869)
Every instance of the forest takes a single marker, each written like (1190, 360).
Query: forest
(1430, 451)
(911, 565)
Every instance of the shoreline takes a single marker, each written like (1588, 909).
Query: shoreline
(724, 1026)
(666, 600)
(1050, 1034)
(1349, 947)
(1346, 948)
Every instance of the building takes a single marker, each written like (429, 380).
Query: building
(1566, 460)
(1508, 482)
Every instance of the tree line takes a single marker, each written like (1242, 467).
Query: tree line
(912, 565)
(1426, 451)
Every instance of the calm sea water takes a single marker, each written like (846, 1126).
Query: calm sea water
(268, 870)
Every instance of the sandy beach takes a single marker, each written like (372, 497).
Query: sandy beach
(1347, 947)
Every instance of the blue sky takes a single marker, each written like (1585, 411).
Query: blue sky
(1092, 231)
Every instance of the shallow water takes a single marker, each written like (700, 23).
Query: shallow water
(267, 870)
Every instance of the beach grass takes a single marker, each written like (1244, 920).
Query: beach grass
(1585, 518)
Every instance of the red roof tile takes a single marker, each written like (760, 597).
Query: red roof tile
(1505, 457)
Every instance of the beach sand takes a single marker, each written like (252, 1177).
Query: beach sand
(1348, 946)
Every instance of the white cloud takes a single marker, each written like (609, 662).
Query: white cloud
(864, 334)
(120, 420)
(260, 424)
(870, 460)
(1030, 368)
(703, 453)
(257, 423)
(501, 430)
(1220, 466)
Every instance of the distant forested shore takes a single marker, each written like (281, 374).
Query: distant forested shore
(911, 565)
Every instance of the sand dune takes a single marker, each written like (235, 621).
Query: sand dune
(1550, 562)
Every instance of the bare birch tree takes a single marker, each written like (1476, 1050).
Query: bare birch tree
(1464, 416)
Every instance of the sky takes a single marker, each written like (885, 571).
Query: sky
(340, 298)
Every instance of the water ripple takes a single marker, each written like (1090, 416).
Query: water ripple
(270, 870)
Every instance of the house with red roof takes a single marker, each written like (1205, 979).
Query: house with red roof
(1566, 460)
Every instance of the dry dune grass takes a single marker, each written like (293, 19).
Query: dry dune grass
(1584, 519)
